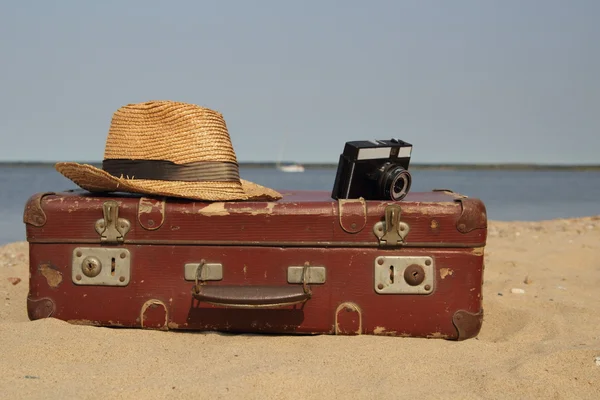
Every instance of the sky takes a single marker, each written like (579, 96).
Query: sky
(464, 81)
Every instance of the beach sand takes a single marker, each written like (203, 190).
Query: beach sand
(541, 344)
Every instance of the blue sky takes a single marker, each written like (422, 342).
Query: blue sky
(464, 81)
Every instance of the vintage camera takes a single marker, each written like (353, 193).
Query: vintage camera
(373, 170)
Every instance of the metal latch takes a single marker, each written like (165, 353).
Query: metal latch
(309, 274)
(101, 266)
(203, 271)
(392, 231)
(111, 228)
(404, 275)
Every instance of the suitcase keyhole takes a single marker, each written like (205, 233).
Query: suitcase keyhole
(112, 267)
(414, 275)
(392, 274)
(91, 266)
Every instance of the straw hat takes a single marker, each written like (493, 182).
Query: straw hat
(170, 149)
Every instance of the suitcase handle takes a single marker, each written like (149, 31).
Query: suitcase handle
(251, 296)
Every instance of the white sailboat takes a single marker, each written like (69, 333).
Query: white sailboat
(293, 167)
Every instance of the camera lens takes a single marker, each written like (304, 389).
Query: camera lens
(401, 185)
(394, 182)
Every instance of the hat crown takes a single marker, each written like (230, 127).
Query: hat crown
(171, 131)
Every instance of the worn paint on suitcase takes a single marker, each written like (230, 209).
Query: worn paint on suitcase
(303, 264)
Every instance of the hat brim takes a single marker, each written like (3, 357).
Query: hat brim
(94, 179)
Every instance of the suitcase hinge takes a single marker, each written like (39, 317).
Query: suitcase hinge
(392, 231)
(111, 228)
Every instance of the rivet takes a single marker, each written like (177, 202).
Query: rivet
(380, 261)
(402, 228)
(123, 225)
(427, 287)
(353, 225)
(427, 262)
(78, 254)
(150, 222)
(380, 286)
(122, 279)
(123, 255)
(462, 227)
(78, 277)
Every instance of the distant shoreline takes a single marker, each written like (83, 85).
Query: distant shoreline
(415, 166)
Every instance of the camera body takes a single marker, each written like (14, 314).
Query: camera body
(373, 170)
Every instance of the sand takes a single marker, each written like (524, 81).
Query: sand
(538, 344)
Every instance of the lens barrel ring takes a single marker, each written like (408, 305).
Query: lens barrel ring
(394, 182)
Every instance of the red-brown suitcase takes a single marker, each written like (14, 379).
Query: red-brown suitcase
(304, 264)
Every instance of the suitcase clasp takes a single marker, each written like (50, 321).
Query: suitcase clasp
(111, 228)
(392, 231)
(101, 266)
(404, 275)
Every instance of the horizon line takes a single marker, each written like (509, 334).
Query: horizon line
(273, 164)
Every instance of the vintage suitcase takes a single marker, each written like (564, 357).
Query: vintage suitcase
(306, 264)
